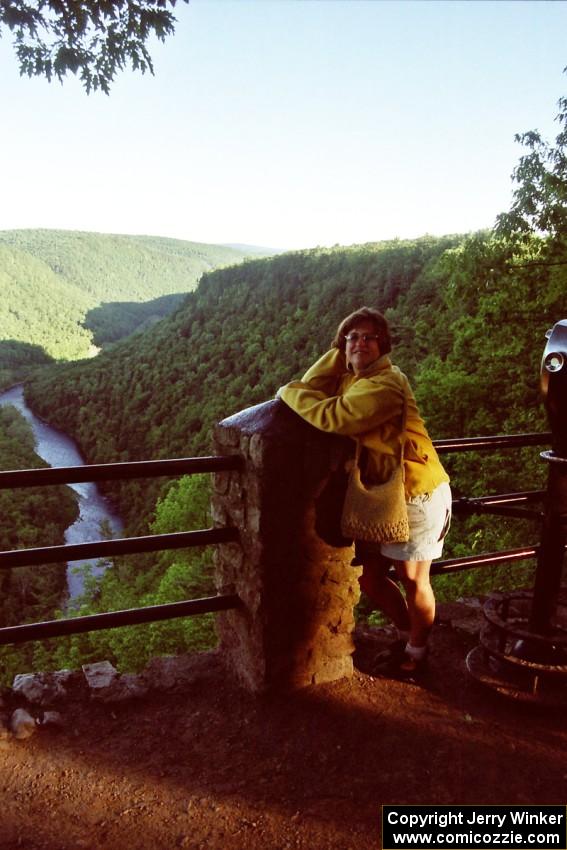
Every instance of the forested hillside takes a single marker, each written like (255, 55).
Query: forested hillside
(241, 334)
(66, 292)
(468, 322)
(245, 331)
(468, 315)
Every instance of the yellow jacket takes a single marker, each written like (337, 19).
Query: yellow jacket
(368, 407)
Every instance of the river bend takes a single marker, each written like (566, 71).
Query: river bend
(57, 449)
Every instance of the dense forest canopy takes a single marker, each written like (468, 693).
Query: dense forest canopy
(468, 323)
(68, 293)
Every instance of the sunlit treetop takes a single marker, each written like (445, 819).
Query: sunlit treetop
(540, 200)
(94, 40)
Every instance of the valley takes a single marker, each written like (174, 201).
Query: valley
(249, 328)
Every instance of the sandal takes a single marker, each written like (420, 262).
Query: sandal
(409, 667)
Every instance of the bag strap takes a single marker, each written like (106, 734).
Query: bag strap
(401, 438)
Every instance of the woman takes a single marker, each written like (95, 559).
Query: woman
(354, 390)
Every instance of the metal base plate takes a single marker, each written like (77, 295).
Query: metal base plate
(529, 689)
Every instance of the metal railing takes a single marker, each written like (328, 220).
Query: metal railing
(502, 441)
(125, 546)
(504, 504)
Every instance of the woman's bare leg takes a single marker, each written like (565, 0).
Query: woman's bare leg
(385, 595)
(414, 575)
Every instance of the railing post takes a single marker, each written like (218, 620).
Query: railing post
(551, 555)
(298, 591)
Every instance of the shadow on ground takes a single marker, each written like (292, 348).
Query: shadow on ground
(215, 767)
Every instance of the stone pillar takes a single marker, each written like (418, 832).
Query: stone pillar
(298, 590)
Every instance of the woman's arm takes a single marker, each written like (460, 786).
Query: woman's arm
(325, 375)
(366, 404)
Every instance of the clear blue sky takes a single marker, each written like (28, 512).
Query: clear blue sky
(292, 123)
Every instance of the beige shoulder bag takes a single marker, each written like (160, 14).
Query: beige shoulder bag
(377, 513)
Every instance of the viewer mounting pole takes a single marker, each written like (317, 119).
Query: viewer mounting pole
(554, 530)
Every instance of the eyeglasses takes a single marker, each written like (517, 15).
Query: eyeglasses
(364, 337)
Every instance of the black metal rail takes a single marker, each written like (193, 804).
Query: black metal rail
(507, 504)
(503, 441)
(123, 546)
(487, 559)
(117, 471)
(116, 619)
(106, 548)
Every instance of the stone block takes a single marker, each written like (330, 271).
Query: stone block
(253, 518)
(40, 688)
(232, 555)
(108, 685)
(226, 436)
(221, 481)
(22, 724)
(53, 719)
(256, 450)
(235, 493)
(332, 669)
(100, 675)
(236, 510)
(218, 512)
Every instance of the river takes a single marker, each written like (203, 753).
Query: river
(57, 449)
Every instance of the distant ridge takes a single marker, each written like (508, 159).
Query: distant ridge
(254, 249)
(66, 293)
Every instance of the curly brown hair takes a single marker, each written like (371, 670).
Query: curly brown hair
(364, 314)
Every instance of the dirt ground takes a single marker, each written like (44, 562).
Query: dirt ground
(214, 767)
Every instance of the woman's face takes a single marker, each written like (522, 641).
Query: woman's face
(362, 347)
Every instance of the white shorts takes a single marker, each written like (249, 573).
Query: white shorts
(429, 518)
